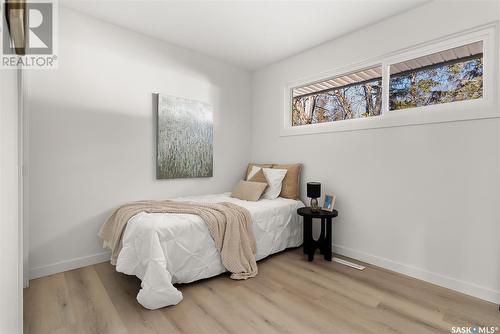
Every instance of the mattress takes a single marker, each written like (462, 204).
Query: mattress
(163, 249)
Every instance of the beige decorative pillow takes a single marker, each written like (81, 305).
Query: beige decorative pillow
(257, 175)
(249, 168)
(291, 183)
(249, 191)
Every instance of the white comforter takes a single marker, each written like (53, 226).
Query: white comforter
(162, 249)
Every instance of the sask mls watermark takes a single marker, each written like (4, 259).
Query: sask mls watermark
(474, 330)
(29, 34)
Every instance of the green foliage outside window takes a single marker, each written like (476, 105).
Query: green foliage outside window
(457, 81)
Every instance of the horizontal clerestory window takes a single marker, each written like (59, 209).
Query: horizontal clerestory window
(394, 89)
(448, 76)
(354, 95)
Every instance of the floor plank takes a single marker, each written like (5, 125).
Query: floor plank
(290, 295)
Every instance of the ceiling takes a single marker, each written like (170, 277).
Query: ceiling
(248, 34)
(460, 52)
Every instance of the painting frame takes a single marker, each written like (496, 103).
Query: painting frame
(184, 138)
(329, 202)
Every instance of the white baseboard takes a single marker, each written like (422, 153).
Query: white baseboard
(66, 265)
(422, 274)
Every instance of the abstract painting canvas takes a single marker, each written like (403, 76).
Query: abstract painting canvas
(184, 138)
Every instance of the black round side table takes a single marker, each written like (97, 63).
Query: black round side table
(324, 243)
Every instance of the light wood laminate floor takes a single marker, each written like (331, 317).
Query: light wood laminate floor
(290, 295)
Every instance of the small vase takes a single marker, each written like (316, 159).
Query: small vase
(314, 205)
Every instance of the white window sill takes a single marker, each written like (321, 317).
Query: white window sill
(451, 112)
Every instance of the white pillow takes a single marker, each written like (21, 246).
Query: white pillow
(274, 179)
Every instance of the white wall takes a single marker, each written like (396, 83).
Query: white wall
(10, 227)
(422, 200)
(91, 133)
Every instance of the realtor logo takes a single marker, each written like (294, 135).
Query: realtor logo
(28, 31)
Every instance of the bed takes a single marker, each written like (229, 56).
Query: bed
(164, 249)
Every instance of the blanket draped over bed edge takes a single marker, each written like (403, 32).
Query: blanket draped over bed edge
(229, 225)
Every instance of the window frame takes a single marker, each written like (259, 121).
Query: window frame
(437, 113)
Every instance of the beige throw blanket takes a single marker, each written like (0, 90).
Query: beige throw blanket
(228, 223)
